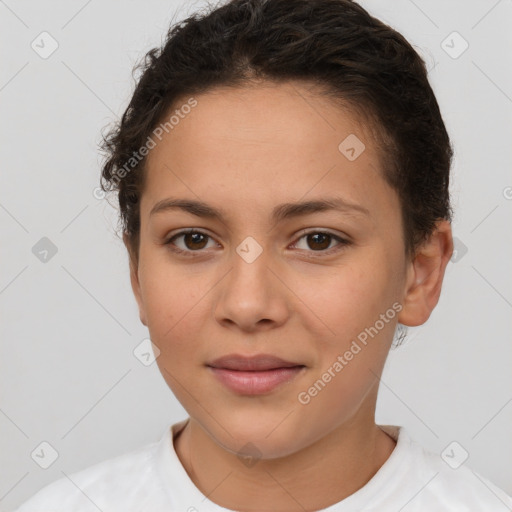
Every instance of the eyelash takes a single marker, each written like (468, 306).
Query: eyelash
(188, 253)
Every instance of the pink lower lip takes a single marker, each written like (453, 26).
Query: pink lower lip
(255, 382)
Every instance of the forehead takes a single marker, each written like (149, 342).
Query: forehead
(263, 145)
(287, 114)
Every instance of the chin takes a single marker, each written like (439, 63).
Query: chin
(269, 437)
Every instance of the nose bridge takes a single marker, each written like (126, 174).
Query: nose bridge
(250, 265)
(251, 291)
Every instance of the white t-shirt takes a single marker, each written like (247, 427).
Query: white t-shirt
(152, 479)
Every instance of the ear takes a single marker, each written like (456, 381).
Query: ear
(134, 279)
(425, 276)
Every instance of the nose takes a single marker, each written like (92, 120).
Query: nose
(252, 296)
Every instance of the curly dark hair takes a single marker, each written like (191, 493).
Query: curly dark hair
(354, 58)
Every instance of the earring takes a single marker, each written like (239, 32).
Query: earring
(400, 335)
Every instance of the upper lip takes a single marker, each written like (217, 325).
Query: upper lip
(258, 362)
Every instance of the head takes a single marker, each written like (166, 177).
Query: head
(246, 108)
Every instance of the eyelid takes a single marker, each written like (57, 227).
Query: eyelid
(326, 231)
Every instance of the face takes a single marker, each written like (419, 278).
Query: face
(303, 285)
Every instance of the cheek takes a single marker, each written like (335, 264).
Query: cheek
(357, 306)
(175, 306)
(348, 298)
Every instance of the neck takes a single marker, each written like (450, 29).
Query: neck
(316, 477)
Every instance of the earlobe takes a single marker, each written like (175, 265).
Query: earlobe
(134, 280)
(425, 276)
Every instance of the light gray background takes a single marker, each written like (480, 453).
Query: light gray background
(69, 326)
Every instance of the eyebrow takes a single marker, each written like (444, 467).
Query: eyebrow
(279, 213)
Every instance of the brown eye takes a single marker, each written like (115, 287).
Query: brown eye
(320, 241)
(192, 241)
(195, 240)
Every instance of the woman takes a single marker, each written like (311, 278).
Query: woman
(283, 172)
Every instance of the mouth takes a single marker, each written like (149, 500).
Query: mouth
(254, 375)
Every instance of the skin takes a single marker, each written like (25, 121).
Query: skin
(244, 151)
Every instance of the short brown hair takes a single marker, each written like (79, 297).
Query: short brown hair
(335, 44)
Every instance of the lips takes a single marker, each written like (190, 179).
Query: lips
(254, 375)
